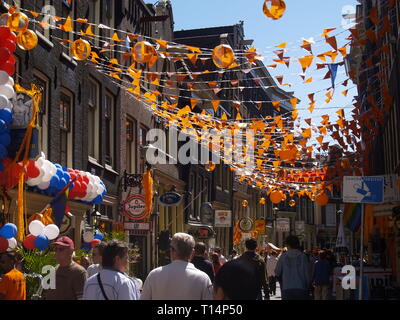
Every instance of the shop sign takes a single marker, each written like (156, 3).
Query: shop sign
(202, 233)
(260, 226)
(170, 199)
(381, 210)
(134, 207)
(223, 218)
(207, 214)
(143, 226)
(283, 224)
(246, 224)
(299, 226)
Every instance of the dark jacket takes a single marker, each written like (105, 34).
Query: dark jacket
(322, 272)
(258, 262)
(204, 265)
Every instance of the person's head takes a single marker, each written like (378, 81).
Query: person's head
(251, 244)
(115, 256)
(292, 242)
(200, 249)
(234, 252)
(215, 258)
(217, 251)
(64, 248)
(8, 260)
(85, 262)
(182, 245)
(236, 281)
(97, 252)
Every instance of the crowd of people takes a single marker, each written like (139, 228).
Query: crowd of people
(195, 273)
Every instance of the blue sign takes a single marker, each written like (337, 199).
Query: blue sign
(363, 189)
(170, 199)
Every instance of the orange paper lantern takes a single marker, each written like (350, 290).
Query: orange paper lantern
(262, 200)
(275, 10)
(276, 197)
(143, 52)
(80, 50)
(223, 56)
(292, 203)
(245, 203)
(18, 22)
(322, 199)
(27, 40)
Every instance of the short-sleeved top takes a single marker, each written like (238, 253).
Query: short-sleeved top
(13, 285)
(117, 286)
(69, 283)
(93, 269)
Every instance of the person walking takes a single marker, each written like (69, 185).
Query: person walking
(200, 262)
(293, 270)
(12, 282)
(111, 283)
(179, 280)
(321, 277)
(70, 276)
(216, 263)
(222, 259)
(233, 255)
(97, 253)
(271, 261)
(258, 263)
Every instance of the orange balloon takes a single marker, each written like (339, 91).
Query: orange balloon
(292, 203)
(223, 56)
(262, 201)
(143, 52)
(245, 203)
(322, 199)
(276, 10)
(276, 197)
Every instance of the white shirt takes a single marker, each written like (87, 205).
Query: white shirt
(117, 286)
(271, 265)
(180, 280)
(222, 260)
(93, 269)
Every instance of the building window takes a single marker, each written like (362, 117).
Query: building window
(43, 83)
(130, 146)
(94, 17)
(69, 12)
(109, 115)
(93, 120)
(142, 142)
(66, 150)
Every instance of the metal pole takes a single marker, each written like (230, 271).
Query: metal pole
(360, 294)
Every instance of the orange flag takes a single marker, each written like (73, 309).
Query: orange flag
(306, 62)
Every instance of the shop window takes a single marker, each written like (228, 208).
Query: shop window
(66, 148)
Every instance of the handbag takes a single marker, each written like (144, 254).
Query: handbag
(101, 287)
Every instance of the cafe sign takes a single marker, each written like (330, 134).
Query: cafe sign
(170, 199)
(134, 207)
(223, 218)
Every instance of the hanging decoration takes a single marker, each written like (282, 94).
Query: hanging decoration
(274, 9)
(223, 56)
(80, 49)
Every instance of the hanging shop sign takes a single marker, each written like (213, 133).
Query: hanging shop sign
(299, 227)
(143, 226)
(283, 224)
(134, 207)
(223, 218)
(202, 233)
(207, 214)
(260, 226)
(170, 199)
(246, 224)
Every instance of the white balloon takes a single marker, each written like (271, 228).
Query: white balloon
(35, 181)
(4, 77)
(88, 236)
(51, 231)
(7, 91)
(36, 227)
(11, 81)
(53, 169)
(12, 243)
(3, 101)
(47, 169)
(44, 185)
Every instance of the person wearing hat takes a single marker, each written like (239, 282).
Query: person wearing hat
(70, 276)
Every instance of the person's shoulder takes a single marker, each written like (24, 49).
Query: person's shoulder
(77, 268)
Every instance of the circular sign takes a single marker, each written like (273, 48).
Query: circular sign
(134, 207)
(246, 224)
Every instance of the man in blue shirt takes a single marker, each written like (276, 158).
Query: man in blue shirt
(321, 277)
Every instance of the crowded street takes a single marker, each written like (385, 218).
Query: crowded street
(194, 151)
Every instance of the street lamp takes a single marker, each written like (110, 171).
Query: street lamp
(95, 218)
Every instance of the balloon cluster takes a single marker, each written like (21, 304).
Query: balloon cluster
(8, 45)
(19, 22)
(91, 239)
(53, 178)
(40, 235)
(7, 237)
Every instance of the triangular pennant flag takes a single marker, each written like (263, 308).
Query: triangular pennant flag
(215, 104)
(67, 27)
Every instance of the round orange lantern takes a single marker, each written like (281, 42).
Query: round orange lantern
(322, 199)
(292, 203)
(262, 201)
(210, 166)
(27, 40)
(245, 203)
(18, 22)
(223, 56)
(4, 19)
(80, 49)
(276, 197)
(143, 52)
(275, 10)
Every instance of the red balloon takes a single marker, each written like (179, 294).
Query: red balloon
(77, 186)
(6, 162)
(32, 170)
(13, 37)
(85, 179)
(8, 67)
(12, 60)
(3, 244)
(4, 54)
(93, 243)
(5, 32)
(29, 242)
(9, 44)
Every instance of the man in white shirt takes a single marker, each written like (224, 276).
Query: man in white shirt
(111, 283)
(97, 253)
(180, 280)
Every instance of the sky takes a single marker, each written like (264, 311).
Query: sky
(302, 19)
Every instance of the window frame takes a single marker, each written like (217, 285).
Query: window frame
(133, 145)
(70, 147)
(111, 139)
(96, 140)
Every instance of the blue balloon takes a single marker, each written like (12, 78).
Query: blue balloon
(8, 231)
(1, 166)
(6, 115)
(67, 177)
(3, 152)
(58, 166)
(98, 236)
(5, 139)
(98, 200)
(62, 184)
(42, 242)
(54, 182)
(3, 126)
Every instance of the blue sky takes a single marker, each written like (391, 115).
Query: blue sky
(302, 19)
